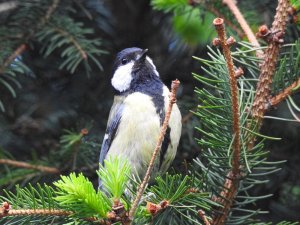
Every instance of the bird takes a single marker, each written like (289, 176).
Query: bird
(137, 114)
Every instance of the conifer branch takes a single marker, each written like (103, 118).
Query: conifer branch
(232, 181)
(29, 212)
(227, 21)
(285, 93)
(141, 189)
(13, 56)
(202, 215)
(23, 46)
(74, 42)
(20, 164)
(6, 211)
(243, 23)
(225, 43)
(268, 66)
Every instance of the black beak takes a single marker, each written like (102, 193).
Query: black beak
(143, 55)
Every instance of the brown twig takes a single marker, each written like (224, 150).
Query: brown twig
(49, 12)
(7, 211)
(153, 208)
(44, 212)
(141, 189)
(15, 163)
(228, 22)
(12, 57)
(202, 215)
(268, 65)
(23, 46)
(285, 93)
(74, 41)
(225, 43)
(244, 25)
(232, 181)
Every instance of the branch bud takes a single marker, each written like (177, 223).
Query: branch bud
(216, 42)
(230, 41)
(239, 72)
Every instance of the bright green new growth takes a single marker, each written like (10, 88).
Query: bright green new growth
(77, 194)
(115, 175)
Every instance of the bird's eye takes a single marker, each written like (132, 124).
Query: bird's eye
(124, 61)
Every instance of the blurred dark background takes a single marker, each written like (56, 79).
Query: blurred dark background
(52, 100)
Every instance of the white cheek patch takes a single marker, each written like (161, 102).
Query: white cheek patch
(154, 67)
(122, 77)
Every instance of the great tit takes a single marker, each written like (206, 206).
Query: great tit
(137, 114)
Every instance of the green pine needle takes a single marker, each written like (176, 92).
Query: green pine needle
(76, 193)
(115, 175)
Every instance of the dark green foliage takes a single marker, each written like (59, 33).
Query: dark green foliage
(47, 26)
(45, 90)
(288, 68)
(185, 196)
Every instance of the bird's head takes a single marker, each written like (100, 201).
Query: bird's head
(132, 65)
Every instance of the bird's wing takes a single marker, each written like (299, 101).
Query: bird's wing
(112, 127)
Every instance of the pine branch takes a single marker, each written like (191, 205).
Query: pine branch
(6, 211)
(232, 181)
(73, 41)
(285, 93)
(202, 215)
(243, 23)
(20, 164)
(141, 189)
(227, 21)
(13, 56)
(268, 65)
(23, 46)
(35, 212)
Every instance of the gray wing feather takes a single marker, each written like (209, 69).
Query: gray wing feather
(111, 130)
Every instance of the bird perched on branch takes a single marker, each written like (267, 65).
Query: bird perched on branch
(137, 114)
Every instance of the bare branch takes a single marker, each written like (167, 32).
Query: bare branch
(141, 189)
(15, 163)
(232, 181)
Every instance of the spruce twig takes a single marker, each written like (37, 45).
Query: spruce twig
(74, 41)
(232, 181)
(20, 164)
(23, 46)
(202, 215)
(225, 43)
(227, 21)
(13, 56)
(285, 93)
(28, 212)
(141, 189)
(269, 62)
(244, 25)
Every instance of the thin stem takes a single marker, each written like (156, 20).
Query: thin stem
(202, 215)
(26, 212)
(74, 42)
(227, 21)
(15, 163)
(13, 56)
(23, 46)
(231, 182)
(285, 93)
(44, 212)
(172, 100)
(243, 23)
(219, 24)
